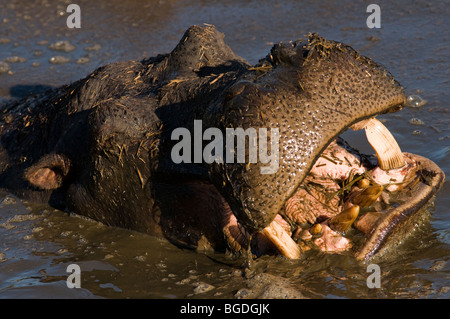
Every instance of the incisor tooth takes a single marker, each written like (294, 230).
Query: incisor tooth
(364, 183)
(281, 239)
(316, 229)
(388, 152)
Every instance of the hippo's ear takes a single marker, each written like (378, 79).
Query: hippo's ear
(49, 172)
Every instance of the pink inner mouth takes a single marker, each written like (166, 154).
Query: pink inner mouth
(332, 185)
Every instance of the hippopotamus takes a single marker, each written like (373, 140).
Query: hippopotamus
(166, 146)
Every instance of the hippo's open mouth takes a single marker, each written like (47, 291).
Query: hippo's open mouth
(103, 146)
(354, 202)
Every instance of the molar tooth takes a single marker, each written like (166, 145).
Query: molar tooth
(304, 235)
(344, 220)
(364, 183)
(388, 152)
(281, 239)
(368, 196)
(316, 229)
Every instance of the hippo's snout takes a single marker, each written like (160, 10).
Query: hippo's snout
(311, 91)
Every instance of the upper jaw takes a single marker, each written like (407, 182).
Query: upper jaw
(303, 96)
(381, 227)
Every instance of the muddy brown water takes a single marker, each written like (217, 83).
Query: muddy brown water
(37, 243)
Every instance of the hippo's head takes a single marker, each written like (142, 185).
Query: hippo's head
(312, 91)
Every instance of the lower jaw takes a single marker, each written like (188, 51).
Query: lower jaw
(398, 221)
(389, 227)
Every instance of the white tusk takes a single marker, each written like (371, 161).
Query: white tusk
(388, 152)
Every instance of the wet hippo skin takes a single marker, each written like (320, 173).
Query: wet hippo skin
(102, 147)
